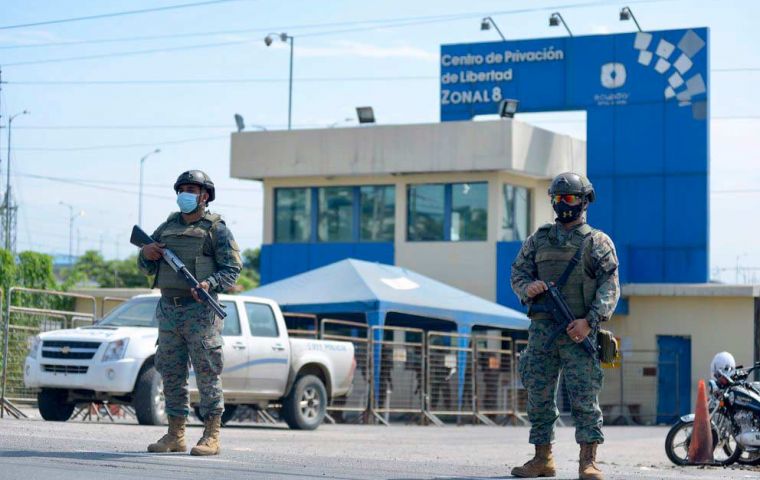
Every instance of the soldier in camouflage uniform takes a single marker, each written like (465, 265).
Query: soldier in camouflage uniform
(189, 331)
(592, 291)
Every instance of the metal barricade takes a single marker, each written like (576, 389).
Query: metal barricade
(494, 376)
(519, 393)
(631, 393)
(302, 325)
(450, 370)
(109, 303)
(397, 366)
(358, 400)
(41, 310)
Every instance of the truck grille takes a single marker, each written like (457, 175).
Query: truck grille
(69, 350)
(66, 369)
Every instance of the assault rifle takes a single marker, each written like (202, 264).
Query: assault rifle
(558, 308)
(139, 239)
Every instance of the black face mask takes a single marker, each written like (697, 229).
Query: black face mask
(567, 213)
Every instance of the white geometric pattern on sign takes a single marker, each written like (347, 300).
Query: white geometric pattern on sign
(689, 45)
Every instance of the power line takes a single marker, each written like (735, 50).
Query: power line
(125, 54)
(221, 80)
(132, 184)
(379, 22)
(112, 189)
(127, 145)
(424, 20)
(115, 14)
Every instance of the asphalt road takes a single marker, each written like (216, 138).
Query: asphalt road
(37, 450)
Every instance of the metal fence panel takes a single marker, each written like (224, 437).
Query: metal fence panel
(450, 370)
(397, 363)
(22, 323)
(630, 394)
(494, 374)
(109, 303)
(358, 334)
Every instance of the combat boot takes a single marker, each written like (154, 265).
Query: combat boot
(541, 465)
(174, 441)
(587, 469)
(209, 442)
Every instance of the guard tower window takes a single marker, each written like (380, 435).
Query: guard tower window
(469, 211)
(336, 214)
(426, 204)
(378, 213)
(292, 215)
(515, 220)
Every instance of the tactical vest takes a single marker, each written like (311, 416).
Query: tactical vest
(552, 258)
(193, 244)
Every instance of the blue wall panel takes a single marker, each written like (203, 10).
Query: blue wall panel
(505, 255)
(646, 98)
(282, 260)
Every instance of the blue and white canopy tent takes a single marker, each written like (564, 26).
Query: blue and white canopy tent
(377, 291)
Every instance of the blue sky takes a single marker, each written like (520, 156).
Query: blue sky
(337, 63)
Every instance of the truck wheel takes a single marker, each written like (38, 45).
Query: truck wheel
(304, 407)
(52, 405)
(229, 412)
(148, 401)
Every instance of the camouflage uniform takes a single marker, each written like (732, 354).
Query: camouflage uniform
(595, 281)
(190, 332)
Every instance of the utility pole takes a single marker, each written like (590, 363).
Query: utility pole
(10, 217)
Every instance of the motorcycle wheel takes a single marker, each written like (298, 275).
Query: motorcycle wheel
(749, 458)
(678, 440)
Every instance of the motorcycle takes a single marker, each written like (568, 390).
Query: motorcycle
(734, 405)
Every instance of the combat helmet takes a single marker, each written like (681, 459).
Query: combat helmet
(196, 177)
(570, 183)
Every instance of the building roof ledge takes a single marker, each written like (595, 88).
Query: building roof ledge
(689, 290)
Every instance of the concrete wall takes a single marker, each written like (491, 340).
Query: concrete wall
(389, 149)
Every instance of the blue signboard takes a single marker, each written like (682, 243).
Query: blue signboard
(646, 98)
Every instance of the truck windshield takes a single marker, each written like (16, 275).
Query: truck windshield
(138, 312)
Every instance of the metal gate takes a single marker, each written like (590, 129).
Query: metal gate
(358, 335)
(494, 376)
(53, 310)
(397, 363)
(450, 371)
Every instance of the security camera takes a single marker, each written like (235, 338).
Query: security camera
(268, 40)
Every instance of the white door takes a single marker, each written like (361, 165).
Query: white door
(235, 351)
(268, 351)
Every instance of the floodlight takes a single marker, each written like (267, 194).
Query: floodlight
(626, 14)
(555, 19)
(508, 108)
(239, 122)
(365, 114)
(485, 24)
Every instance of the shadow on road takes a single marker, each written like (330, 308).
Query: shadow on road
(83, 455)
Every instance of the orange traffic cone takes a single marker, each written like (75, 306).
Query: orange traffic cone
(701, 445)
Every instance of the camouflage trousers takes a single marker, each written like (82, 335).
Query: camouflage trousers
(540, 367)
(190, 333)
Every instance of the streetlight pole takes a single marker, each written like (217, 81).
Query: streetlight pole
(72, 217)
(285, 38)
(8, 184)
(142, 162)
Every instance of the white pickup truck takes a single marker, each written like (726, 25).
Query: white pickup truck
(113, 361)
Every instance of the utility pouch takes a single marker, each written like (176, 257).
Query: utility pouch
(609, 350)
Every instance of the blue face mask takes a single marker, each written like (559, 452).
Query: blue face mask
(187, 202)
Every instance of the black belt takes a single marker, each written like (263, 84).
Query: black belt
(179, 301)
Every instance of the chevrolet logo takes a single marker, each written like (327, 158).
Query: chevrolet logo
(65, 350)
